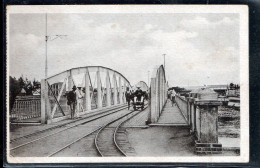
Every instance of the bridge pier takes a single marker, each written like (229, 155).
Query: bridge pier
(204, 111)
(201, 112)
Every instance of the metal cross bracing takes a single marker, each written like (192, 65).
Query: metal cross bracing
(103, 87)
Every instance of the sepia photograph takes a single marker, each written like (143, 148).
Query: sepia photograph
(127, 83)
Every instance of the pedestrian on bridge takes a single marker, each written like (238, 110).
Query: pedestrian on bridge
(80, 96)
(128, 96)
(72, 101)
(173, 99)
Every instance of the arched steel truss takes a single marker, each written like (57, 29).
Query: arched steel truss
(158, 93)
(104, 87)
(142, 85)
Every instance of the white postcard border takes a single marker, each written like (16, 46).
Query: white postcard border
(242, 10)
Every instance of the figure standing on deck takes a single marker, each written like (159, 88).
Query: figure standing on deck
(128, 96)
(72, 101)
(173, 98)
(80, 96)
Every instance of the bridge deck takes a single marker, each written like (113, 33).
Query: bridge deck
(171, 115)
(139, 120)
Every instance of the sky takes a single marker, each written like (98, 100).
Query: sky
(201, 49)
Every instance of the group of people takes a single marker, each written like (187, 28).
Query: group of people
(75, 99)
(130, 95)
(76, 95)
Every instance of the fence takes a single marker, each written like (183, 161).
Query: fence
(190, 112)
(26, 107)
(201, 113)
(182, 103)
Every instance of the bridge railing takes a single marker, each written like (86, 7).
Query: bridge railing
(182, 104)
(201, 113)
(26, 107)
(103, 88)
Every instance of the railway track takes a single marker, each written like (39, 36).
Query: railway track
(86, 139)
(86, 144)
(105, 139)
(62, 132)
(70, 122)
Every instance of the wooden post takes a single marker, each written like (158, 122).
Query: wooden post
(108, 88)
(87, 94)
(99, 92)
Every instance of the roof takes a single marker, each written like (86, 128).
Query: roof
(23, 91)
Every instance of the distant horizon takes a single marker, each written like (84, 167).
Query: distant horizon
(134, 84)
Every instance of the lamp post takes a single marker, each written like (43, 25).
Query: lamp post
(164, 63)
(148, 77)
(164, 60)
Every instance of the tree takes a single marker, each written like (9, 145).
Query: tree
(14, 90)
(21, 82)
(28, 88)
(16, 86)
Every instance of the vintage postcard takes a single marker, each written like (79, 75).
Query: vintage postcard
(127, 83)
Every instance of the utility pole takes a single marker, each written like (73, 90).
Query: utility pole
(47, 38)
(46, 47)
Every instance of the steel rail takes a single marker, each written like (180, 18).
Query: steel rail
(115, 132)
(96, 137)
(114, 111)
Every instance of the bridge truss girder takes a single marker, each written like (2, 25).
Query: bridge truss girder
(158, 93)
(103, 86)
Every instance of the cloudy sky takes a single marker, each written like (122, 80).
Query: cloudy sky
(200, 48)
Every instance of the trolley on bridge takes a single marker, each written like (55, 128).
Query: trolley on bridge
(138, 102)
(138, 99)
